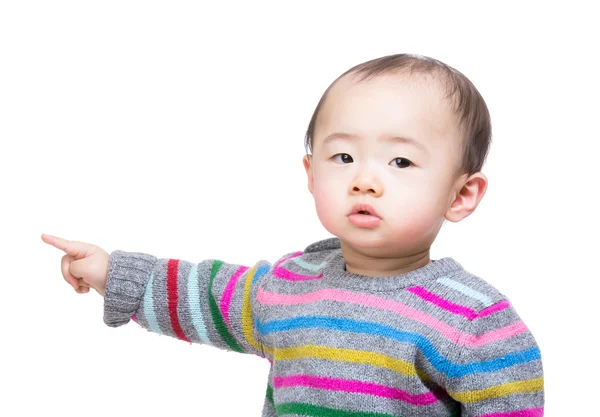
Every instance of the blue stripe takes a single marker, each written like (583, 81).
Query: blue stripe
(259, 272)
(443, 365)
(149, 312)
(194, 305)
(308, 266)
(468, 291)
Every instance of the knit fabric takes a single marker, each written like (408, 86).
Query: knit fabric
(435, 341)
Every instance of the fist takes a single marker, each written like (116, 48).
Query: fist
(83, 266)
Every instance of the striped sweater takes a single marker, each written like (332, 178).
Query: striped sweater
(435, 341)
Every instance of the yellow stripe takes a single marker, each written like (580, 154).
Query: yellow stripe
(247, 315)
(350, 355)
(528, 385)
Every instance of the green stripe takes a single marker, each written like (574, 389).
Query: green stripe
(216, 313)
(270, 394)
(314, 410)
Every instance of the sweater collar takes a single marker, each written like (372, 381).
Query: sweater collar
(335, 274)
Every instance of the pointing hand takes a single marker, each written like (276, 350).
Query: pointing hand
(84, 265)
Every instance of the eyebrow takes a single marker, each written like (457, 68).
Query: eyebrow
(393, 139)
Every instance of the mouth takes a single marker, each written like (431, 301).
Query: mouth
(364, 216)
(364, 209)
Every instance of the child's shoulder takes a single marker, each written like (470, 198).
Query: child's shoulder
(467, 289)
(320, 249)
(324, 245)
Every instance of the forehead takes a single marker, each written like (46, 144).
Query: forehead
(388, 105)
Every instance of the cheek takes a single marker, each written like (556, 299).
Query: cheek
(419, 224)
(324, 199)
(417, 216)
(327, 204)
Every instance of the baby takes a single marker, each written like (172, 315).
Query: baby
(364, 324)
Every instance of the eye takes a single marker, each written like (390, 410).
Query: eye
(345, 158)
(402, 162)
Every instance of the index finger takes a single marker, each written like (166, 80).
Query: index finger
(74, 248)
(57, 242)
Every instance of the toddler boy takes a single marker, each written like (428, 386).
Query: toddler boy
(363, 324)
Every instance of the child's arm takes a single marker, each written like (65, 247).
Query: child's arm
(498, 372)
(210, 302)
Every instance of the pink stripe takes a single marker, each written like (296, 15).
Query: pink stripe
(444, 329)
(228, 293)
(347, 385)
(498, 334)
(293, 255)
(280, 272)
(530, 412)
(445, 304)
(494, 308)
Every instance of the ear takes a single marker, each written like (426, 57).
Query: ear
(307, 160)
(467, 197)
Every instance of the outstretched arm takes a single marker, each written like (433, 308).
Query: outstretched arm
(210, 302)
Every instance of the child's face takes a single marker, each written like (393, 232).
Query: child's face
(412, 202)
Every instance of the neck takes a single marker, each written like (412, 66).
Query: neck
(382, 266)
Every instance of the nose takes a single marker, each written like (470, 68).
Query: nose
(366, 183)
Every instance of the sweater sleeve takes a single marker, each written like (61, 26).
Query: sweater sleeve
(498, 370)
(210, 302)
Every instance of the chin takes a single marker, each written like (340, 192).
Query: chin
(361, 237)
(367, 241)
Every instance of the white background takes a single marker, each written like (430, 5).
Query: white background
(176, 129)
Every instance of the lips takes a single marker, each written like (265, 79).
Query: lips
(363, 208)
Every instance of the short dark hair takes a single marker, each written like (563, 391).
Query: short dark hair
(468, 105)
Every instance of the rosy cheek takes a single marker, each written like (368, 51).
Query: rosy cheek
(412, 230)
(414, 224)
(323, 200)
(326, 206)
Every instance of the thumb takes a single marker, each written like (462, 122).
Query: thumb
(92, 270)
(74, 276)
